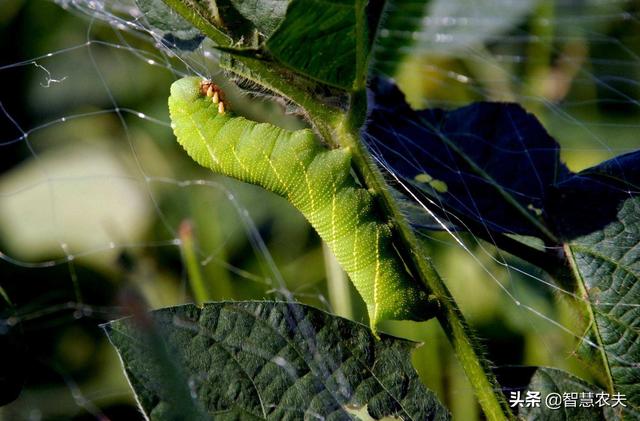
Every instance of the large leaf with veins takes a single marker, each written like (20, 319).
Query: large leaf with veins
(548, 381)
(268, 360)
(608, 263)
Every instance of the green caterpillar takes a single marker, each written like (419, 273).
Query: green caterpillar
(316, 180)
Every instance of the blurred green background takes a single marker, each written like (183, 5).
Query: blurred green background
(97, 201)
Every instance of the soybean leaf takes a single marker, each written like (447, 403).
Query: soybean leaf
(597, 211)
(600, 189)
(607, 262)
(156, 371)
(570, 389)
(325, 40)
(175, 32)
(219, 21)
(491, 164)
(274, 360)
(266, 15)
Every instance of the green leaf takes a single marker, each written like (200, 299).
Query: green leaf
(266, 15)
(176, 32)
(224, 15)
(552, 381)
(486, 183)
(607, 262)
(241, 43)
(324, 40)
(273, 360)
(205, 19)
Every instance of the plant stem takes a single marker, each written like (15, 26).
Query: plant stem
(198, 286)
(449, 315)
(265, 73)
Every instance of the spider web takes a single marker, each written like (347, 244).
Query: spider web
(95, 194)
(575, 66)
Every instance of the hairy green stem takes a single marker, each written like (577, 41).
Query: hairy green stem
(449, 315)
(275, 78)
(362, 55)
(259, 69)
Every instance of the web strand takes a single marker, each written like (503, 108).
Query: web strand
(97, 113)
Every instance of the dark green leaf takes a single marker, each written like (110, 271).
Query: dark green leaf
(601, 189)
(325, 40)
(225, 16)
(266, 15)
(495, 168)
(491, 164)
(211, 17)
(551, 381)
(176, 32)
(607, 261)
(268, 360)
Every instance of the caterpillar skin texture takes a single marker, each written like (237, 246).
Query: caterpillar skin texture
(315, 180)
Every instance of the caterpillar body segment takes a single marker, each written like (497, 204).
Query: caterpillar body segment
(315, 180)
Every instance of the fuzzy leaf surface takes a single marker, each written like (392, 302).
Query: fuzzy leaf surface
(327, 41)
(552, 381)
(176, 32)
(273, 360)
(608, 263)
